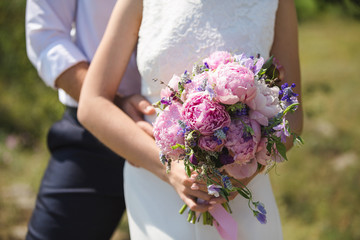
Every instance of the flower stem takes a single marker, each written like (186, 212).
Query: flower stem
(190, 215)
(183, 208)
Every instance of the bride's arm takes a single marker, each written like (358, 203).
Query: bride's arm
(109, 124)
(285, 49)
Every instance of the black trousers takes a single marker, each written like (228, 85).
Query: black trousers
(81, 193)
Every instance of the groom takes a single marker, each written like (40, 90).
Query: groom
(81, 193)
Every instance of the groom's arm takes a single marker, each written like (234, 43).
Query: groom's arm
(135, 105)
(59, 62)
(49, 43)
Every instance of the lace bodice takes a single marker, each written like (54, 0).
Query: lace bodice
(176, 33)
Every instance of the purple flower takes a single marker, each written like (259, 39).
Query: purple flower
(288, 95)
(226, 159)
(226, 181)
(165, 101)
(282, 130)
(206, 65)
(203, 114)
(260, 217)
(193, 159)
(185, 77)
(243, 112)
(214, 190)
(261, 207)
(255, 64)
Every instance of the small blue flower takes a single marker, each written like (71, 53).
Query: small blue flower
(260, 217)
(285, 85)
(206, 65)
(242, 112)
(165, 101)
(226, 181)
(185, 77)
(261, 207)
(220, 134)
(288, 95)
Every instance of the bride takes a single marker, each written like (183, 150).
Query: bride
(170, 36)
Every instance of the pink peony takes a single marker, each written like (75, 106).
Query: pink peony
(262, 155)
(240, 171)
(166, 128)
(203, 114)
(218, 58)
(265, 105)
(196, 83)
(233, 83)
(240, 143)
(208, 143)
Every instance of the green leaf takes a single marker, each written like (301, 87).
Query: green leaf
(269, 146)
(178, 145)
(268, 63)
(280, 147)
(242, 193)
(224, 194)
(188, 170)
(298, 139)
(180, 87)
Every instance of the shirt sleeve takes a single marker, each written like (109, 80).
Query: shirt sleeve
(49, 43)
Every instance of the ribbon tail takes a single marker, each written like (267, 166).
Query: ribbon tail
(225, 223)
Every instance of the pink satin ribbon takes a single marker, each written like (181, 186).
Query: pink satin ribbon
(225, 224)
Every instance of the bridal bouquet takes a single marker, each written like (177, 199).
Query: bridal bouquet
(225, 120)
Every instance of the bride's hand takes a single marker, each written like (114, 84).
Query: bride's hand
(197, 185)
(182, 185)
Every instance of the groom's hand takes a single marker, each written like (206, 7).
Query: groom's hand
(136, 106)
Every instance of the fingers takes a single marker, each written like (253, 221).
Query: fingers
(146, 127)
(141, 104)
(199, 186)
(194, 205)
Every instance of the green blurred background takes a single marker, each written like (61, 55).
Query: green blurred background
(317, 189)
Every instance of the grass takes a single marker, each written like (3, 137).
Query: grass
(317, 189)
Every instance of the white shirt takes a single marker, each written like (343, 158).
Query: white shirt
(53, 47)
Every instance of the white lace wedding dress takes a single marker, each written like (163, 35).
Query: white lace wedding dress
(174, 34)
